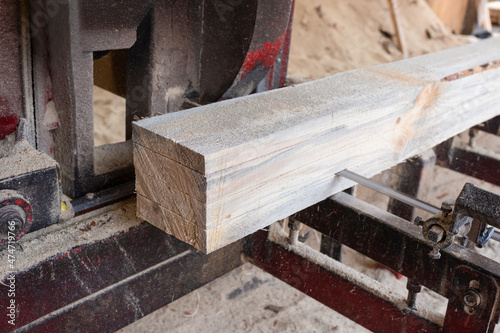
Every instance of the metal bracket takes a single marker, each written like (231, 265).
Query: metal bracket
(472, 302)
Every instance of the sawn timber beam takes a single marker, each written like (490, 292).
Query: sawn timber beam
(214, 174)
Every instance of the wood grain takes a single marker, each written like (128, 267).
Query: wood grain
(233, 167)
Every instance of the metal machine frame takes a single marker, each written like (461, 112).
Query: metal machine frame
(66, 37)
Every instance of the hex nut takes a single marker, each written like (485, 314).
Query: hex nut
(435, 254)
(472, 298)
(418, 221)
(12, 213)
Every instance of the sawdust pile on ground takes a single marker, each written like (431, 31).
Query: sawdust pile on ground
(109, 117)
(337, 35)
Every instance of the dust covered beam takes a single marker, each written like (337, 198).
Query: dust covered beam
(214, 174)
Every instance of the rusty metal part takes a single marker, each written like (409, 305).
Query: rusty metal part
(473, 301)
(12, 220)
(336, 287)
(16, 216)
(413, 289)
(400, 246)
(94, 282)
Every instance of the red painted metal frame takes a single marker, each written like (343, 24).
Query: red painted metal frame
(335, 291)
(11, 93)
(88, 288)
(397, 244)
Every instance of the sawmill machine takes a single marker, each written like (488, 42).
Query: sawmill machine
(74, 258)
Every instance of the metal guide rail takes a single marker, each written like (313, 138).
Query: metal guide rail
(471, 280)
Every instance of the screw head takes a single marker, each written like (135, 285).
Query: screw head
(12, 218)
(436, 233)
(472, 298)
(446, 207)
(418, 221)
(435, 254)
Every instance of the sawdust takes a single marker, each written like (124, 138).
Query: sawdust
(7, 144)
(335, 36)
(109, 117)
(110, 157)
(22, 159)
(60, 238)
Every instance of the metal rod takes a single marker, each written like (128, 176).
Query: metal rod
(397, 195)
(388, 191)
(496, 236)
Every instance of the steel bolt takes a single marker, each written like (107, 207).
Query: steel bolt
(418, 221)
(413, 289)
(12, 218)
(464, 240)
(295, 227)
(472, 298)
(436, 233)
(435, 254)
(446, 207)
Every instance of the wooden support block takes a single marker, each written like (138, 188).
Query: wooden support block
(393, 6)
(214, 174)
(450, 12)
(494, 10)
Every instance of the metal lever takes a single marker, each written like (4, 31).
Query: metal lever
(488, 233)
(388, 191)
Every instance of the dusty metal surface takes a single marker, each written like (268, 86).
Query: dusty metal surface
(348, 292)
(99, 266)
(173, 52)
(399, 245)
(33, 177)
(15, 85)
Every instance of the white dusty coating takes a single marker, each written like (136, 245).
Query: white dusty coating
(110, 157)
(22, 159)
(60, 238)
(7, 144)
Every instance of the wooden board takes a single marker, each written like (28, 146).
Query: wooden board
(494, 10)
(462, 16)
(214, 174)
(450, 12)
